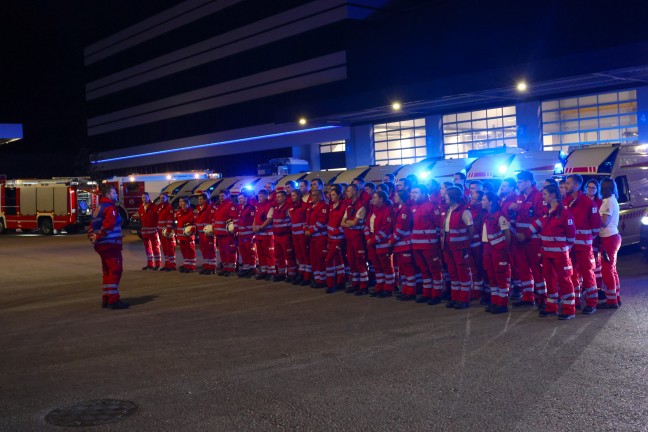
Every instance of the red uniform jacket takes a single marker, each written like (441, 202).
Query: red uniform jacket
(496, 237)
(457, 237)
(184, 218)
(586, 219)
(149, 217)
(245, 220)
(204, 216)
(401, 238)
(166, 216)
(557, 231)
(224, 212)
(298, 218)
(425, 229)
(317, 218)
(281, 219)
(530, 208)
(336, 213)
(264, 212)
(383, 227)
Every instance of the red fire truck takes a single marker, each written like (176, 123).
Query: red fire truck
(47, 205)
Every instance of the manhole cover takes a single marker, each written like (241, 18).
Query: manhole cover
(91, 413)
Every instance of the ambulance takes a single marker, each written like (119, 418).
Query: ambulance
(496, 167)
(627, 164)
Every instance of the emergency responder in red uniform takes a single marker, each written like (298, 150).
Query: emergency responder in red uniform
(284, 251)
(264, 237)
(379, 227)
(106, 236)
(479, 291)
(425, 245)
(527, 208)
(353, 224)
(508, 196)
(400, 243)
(586, 217)
(495, 234)
(610, 243)
(364, 195)
(316, 220)
(245, 236)
(457, 231)
(459, 180)
(593, 189)
(185, 218)
(166, 221)
(204, 215)
(289, 186)
(149, 218)
(304, 188)
(300, 241)
(225, 212)
(335, 233)
(557, 233)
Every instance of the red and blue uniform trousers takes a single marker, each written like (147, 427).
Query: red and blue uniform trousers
(247, 252)
(152, 246)
(285, 255)
(226, 245)
(265, 246)
(356, 254)
(208, 251)
(558, 270)
(318, 251)
(528, 261)
(302, 255)
(459, 271)
(498, 268)
(428, 261)
(609, 248)
(168, 246)
(383, 265)
(334, 263)
(188, 251)
(111, 265)
(407, 270)
(583, 277)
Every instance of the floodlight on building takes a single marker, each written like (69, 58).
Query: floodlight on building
(302, 121)
(131, 178)
(396, 106)
(521, 86)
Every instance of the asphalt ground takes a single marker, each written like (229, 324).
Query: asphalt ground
(207, 353)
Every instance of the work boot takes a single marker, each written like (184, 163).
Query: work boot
(523, 303)
(374, 293)
(422, 299)
(182, 270)
(565, 317)
(451, 304)
(434, 301)
(362, 292)
(268, 277)
(104, 304)
(118, 305)
(461, 305)
(350, 290)
(406, 297)
(331, 290)
(289, 279)
(222, 273)
(260, 276)
(496, 310)
(278, 278)
(305, 283)
(544, 313)
(385, 294)
(589, 310)
(147, 267)
(489, 308)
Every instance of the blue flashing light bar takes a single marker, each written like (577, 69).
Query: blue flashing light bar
(199, 146)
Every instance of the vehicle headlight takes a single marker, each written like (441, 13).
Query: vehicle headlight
(644, 220)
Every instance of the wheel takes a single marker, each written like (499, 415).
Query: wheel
(124, 218)
(46, 227)
(3, 229)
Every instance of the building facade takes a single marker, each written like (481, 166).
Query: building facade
(346, 84)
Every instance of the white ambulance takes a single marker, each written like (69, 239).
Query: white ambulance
(628, 166)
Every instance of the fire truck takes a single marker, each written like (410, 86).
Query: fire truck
(47, 205)
(130, 188)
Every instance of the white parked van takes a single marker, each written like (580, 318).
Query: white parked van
(628, 166)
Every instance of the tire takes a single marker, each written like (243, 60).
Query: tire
(3, 229)
(45, 226)
(124, 218)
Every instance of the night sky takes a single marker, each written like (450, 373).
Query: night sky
(42, 77)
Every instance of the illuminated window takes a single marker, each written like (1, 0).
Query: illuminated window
(399, 143)
(595, 119)
(333, 147)
(488, 128)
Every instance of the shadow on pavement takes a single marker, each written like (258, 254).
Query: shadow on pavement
(134, 301)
